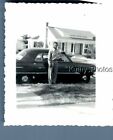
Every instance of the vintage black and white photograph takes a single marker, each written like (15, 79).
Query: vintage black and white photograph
(52, 65)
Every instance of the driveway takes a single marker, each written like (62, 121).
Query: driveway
(45, 95)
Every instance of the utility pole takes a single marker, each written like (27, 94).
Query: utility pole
(46, 39)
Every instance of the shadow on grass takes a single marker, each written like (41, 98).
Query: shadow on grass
(57, 95)
(64, 89)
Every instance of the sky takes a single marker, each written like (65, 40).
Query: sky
(31, 18)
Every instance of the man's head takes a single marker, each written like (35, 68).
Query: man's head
(55, 45)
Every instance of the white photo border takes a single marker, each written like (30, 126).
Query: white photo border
(101, 15)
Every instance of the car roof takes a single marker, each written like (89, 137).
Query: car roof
(30, 53)
(37, 49)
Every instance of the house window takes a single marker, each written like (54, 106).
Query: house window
(91, 46)
(59, 45)
(38, 44)
(63, 46)
(94, 38)
(78, 47)
(86, 45)
(81, 48)
(87, 49)
(26, 43)
(72, 47)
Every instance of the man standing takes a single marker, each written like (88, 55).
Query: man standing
(53, 63)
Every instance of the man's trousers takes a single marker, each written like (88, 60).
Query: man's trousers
(52, 72)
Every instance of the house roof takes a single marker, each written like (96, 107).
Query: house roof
(62, 33)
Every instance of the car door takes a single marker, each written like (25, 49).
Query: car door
(67, 67)
(64, 65)
(40, 64)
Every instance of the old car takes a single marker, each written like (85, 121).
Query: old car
(82, 59)
(32, 67)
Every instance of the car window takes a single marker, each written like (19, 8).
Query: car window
(45, 56)
(63, 58)
(39, 57)
(21, 54)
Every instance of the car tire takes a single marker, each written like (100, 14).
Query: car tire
(86, 78)
(20, 79)
(25, 79)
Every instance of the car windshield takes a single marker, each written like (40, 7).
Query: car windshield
(21, 54)
(63, 58)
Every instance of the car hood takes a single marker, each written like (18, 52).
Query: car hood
(82, 59)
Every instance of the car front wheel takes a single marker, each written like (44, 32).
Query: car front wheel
(23, 79)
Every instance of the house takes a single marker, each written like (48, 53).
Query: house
(21, 44)
(28, 42)
(72, 41)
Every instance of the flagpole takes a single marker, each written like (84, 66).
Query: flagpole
(46, 39)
